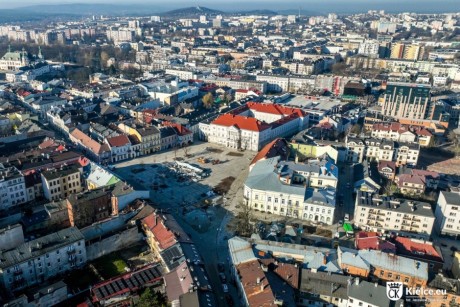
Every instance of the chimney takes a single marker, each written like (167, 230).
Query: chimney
(376, 284)
(357, 281)
(258, 280)
(324, 260)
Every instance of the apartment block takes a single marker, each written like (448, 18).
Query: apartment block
(37, 261)
(379, 213)
(13, 190)
(448, 214)
(305, 191)
(60, 183)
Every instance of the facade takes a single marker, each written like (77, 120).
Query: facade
(409, 101)
(447, 214)
(13, 60)
(60, 183)
(91, 206)
(382, 150)
(383, 266)
(38, 260)
(378, 213)
(13, 190)
(254, 125)
(149, 136)
(305, 191)
(120, 148)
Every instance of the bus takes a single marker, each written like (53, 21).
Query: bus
(348, 229)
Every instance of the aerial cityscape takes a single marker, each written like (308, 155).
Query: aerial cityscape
(259, 153)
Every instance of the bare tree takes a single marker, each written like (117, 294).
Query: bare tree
(186, 150)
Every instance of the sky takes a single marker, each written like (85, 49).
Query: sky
(338, 6)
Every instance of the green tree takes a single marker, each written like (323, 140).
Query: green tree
(208, 100)
(356, 129)
(150, 298)
(454, 138)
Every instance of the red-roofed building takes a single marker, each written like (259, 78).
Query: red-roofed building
(120, 147)
(184, 136)
(417, 181)
(99, 152)
(395, 131)
(420, 250)
(255, 287)
(159, 237)
(277, 147)
(371, 240)
(253, 125)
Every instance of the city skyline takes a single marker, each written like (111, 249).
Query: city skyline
(338, 6)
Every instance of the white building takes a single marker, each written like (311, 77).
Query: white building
(448, 213)
(254, 125)
(38, 260)
(379, 213)
(305, 191)
(12, 187)
(369, 48)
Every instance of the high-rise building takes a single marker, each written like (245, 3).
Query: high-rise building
(397, 51)
(407, 100)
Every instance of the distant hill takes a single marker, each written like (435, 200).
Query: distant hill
(192, 11)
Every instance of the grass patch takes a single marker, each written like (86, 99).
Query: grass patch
(235, 154)
(110, 265)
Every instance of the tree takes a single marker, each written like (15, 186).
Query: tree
(454, 138)
(244, 219)
(186, 150)
(356, 129)
(208, 100)
(150, 298)
(390, 188)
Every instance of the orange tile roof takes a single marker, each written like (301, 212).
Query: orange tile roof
(274, 109)
(408, 246)
(277, 147)
(241, 122)
(258, 294)
(162, 234)
(88, 142)
(118, 141)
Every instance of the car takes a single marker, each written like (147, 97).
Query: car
(348, 185)
(221, 267)
(222, 277)
(347, 217)
(225, 288)
(340, 223)
(229, 300)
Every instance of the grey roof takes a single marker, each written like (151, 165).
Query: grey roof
(451, 198)
(40, 246)
(367, 258)
(370, 293)
(58, 173)
(322, 283)
(390, 203)
(240, 250)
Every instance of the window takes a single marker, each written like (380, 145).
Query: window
(269, 198)
(406, 280)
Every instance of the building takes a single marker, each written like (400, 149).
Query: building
(305, 191)
(14, 60)
(410, 101)
(13, 190)
(11, 236)
(323, 288)
(120, 289)
(254, 125)
(364, 293)
(91, 206)
(383, 266)
(379, 213)
(60, 183)
(416, 181)
(447, 214)
(149, 136)
(36, 261)
(120, 148)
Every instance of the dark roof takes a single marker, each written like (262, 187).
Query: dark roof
(322, 283)
(370, 293)
(126, 283)
(173, 256)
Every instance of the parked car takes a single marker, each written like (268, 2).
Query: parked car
(225, 288)
(229, 300)
(221, 267)
(222, 277)
(347, 217)
(340, 223)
